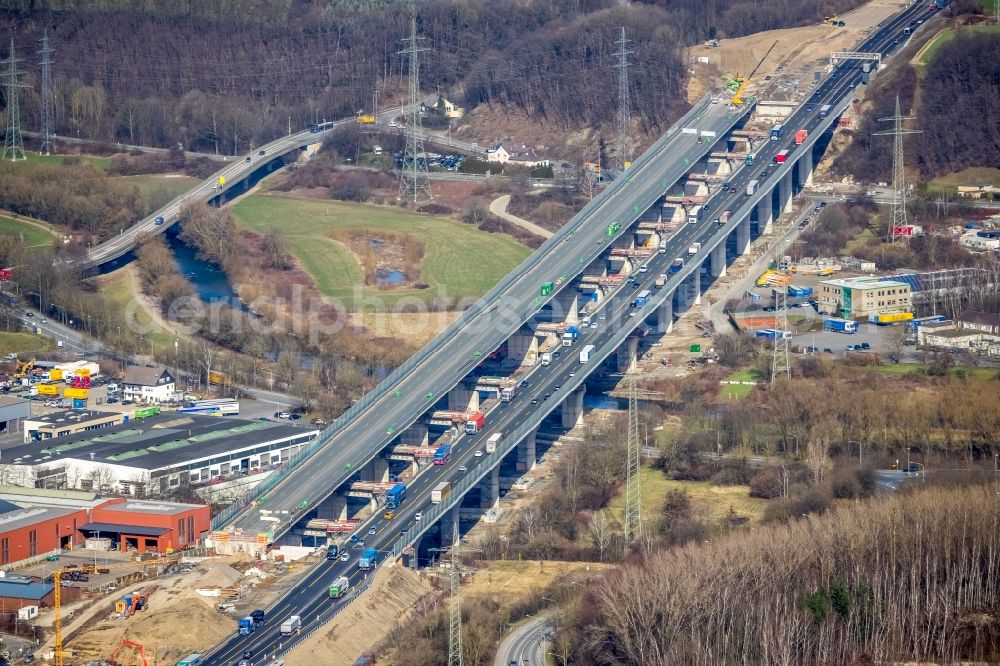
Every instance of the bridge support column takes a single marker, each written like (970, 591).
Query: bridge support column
(785, 193)
(332, 508)
(627, 354)
(522, 349)
(526, 456)
(489, 489)
(805, 166)
(717, 261)
(416, 551)
(765, 215)
(461, 398)
(665, 316)
(377, 471)
(415, 435)
(572, 407)
(696, 285)
(447, 526)
(743, 236)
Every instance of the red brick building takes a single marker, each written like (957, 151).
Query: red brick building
(36, 528)
(149, 525)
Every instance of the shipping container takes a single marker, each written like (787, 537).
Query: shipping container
(751, 187)
(585, 353)
(781, 157)
(824, 110)
(493, 441)
(395, 495)
(800, 136)
(641, 299)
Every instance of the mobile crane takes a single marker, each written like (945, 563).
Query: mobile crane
(745, 80)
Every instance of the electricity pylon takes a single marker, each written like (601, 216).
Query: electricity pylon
(895, 229)
(414, 183)
(455, 606)
(633, 498)
(624, 100)
(780, 364)
(12, 142)
(48, 115)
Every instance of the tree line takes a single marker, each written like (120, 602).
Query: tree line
(218, 76)
(912, 578)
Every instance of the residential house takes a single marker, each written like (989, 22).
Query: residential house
(143, 384)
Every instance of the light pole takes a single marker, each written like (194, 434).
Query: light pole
(851, 441)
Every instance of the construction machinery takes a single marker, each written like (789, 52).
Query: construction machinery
(24, 369)
(745, 80)
(131, 644)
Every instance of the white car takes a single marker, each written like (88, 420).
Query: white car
(393, 123)
(419, 515)
(479, 453)
(463, 468)
(594, 325)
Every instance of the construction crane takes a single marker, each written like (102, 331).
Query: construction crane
(57, 600)
(744, 80)
(132, 644)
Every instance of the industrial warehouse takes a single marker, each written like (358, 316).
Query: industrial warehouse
(156, 455)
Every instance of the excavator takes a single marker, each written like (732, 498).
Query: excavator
(742, 81)
(24, 369)
(132, 644)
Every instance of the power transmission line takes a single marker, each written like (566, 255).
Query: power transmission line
(895, 229)
(12, 142)
(414, 183)
(633, 498)
(624, 101)
(48, 117)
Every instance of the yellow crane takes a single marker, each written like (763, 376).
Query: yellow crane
(57, 599)
(744, 80)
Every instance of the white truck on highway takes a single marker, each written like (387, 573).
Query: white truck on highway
(491, 443)
(291, 625)
(440, 492)
(546, 358)
(695, 248)
(585, 353)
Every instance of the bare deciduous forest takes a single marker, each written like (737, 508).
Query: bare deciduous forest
(220, 76)
(913, 578)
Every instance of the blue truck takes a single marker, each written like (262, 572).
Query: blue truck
(676, 266)
(247, 626)
(799, 292)
(395, 496)
(840, 326)
(570, 336)
(368, 559)
(443, 454)
(640, 300)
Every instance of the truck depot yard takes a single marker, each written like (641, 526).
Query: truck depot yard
(460, 261)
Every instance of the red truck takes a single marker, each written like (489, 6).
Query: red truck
(475, 423)
(781, 157)
(800, 136)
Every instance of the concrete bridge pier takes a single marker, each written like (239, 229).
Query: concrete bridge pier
(522, 349)
(489, 489)
(376, 471)
(627, 355)
(785, 193)
(415, 435)
(416, 550)
(805, 167)
(447, 525)
(572, 407)
(696, 285)
(526, 454)
(665, 314)
(717, 261)
(332, 508)
(743, 236)
(765, 215)
(461, 398)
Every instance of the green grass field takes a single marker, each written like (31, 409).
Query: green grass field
(950, 34)
(173, 184)
(899, 369)
(34, 236)
(859, 241)
(117, 288)
(57, 160)
(737, 391)
(460, 261)
(971, 176)
(24, 343)
(711, 502)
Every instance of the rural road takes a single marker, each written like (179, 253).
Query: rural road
(499, 208)
(526, 644)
